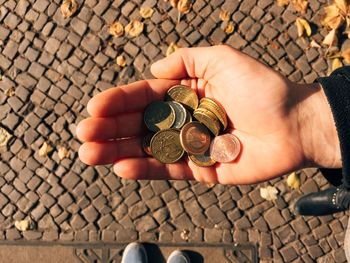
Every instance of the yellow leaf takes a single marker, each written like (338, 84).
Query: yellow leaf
(10, 92)
(146, 12)
(313, 43)
(63, 153)
(68, 8)
(171, 49)
(224, 15)
(184, 6)
(116, 29)
(4, 137)
(331, 38)
(45, 149)
(333, 18)
(346, 55)
(185, 234)
(336, 63)
(282, 2)
(134, 28)
(342, 5)
(230, 27)
(303, 26)
(22, 225)
(121, 61)
(269, 193)
(293, 180)
(174, 3)
(300, 5)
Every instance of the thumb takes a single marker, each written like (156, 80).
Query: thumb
(190, 63)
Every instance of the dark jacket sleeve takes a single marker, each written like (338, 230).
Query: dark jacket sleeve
(337, 90)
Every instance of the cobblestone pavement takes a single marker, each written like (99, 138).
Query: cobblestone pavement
(56, 65)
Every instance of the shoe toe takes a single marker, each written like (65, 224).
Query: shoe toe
(134, 253)
(178, 256)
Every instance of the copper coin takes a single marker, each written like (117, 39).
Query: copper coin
(146, 143)
(225, 148)
(203, 160)
(195, 138)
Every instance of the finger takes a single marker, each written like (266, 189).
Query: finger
(96, 153)
(128, 98)
(191, 62)
(151, 169)
(102, 129)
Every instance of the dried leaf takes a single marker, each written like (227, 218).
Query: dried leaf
(342, 5)
(120, 60)
(224, 15)
(63, 153)
(300, 5)
(333, 17)
(282, 2)
(4, 137)
(134, 28)
(146, 12)
(269, 193)
(184, 6)
(45, 149)
(185, 234)
(293, 180)
(346, 55)
(210, 185)
(22, 225)
(116, 29)
(10, 92)
(303, 27)
(68, 8)
(230, 27)
(331, 38)
(314, 44)
(174, 3)
(336, 63)
(171, 49)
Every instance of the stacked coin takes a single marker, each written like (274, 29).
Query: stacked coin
(174, 131)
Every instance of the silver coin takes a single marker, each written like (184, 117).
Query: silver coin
(188, 117)
(180, 114)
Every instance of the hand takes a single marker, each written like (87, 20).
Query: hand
(272, 117)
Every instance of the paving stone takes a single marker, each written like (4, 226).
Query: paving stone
(52, 45)
(215, 214)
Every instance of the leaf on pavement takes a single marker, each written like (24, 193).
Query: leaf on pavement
(146, 12)
(314, 44)
(185, 234)
(45, 149)
(184, 6)
(269, 193)
(10, 92)
(171, 49)
(293, 180)
(229, 28)
(336, 63)
(342, 5)
(224, 15)
(333, 17)
(120, 60)
(4, 137)
(331, 38)
(346, 55)
(22, 225)
(116, 29)
(68, 8)
(300, 5)
(63, 152)
(282, 2)
(134, 28)
(174, 3)
(303, 27)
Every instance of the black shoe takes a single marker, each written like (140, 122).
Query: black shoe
(326, 202)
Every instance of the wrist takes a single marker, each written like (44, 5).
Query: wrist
(318, 134)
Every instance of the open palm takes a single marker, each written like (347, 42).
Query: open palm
(261, 105)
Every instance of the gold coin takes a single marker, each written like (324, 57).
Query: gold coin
(183, 94)
(159, 116)
(204, 160)
(208, 119)
(146, 143)
(213, 106)
(166, 146)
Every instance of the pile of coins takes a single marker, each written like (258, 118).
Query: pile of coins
(181, 123)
